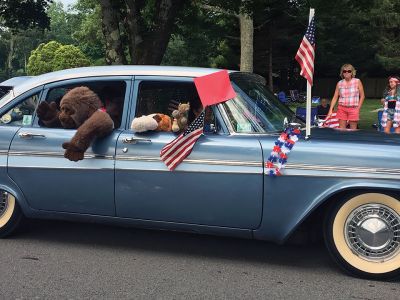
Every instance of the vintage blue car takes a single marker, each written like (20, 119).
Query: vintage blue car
(344, 184)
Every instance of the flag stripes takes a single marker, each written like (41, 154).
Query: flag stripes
(306, 53)
(176, 151)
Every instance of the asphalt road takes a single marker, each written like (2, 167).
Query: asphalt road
(60, 260)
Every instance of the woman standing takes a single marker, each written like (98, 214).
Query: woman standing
(350, 93)
(391, 102)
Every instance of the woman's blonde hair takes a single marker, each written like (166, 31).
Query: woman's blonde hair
(347, 66)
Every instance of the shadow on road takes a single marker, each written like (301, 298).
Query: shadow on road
(176, 243)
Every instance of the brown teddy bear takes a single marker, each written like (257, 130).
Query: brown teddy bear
(79, 108)
(180, 117)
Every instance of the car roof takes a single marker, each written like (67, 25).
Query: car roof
(121, 70)
(14, 81)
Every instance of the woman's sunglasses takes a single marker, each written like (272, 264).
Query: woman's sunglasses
(347, 71)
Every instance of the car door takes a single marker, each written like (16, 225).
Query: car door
(11, 120)
(51, 182)
(220, 183)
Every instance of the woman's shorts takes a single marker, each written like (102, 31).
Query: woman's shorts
(348, 113)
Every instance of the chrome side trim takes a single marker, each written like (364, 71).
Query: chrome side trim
(62, 168)
(3, 152)
(55, 154)
(342, 169)
(308, 170)
(193, 161)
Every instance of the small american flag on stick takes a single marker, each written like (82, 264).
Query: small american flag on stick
(305, 54)
(176, 151)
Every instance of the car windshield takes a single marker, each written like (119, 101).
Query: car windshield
(255, 109)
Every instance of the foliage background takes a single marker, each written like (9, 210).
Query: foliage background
(206, 33)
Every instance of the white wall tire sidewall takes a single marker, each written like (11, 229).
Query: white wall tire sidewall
(8, 213)
(338, 233)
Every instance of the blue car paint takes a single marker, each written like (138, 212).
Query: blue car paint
(202, 190)
(276, 207)
(322, 167)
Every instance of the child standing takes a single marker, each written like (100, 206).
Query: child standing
(391, 102)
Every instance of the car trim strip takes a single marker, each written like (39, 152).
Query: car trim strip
(56, 154)
(194, 161)
(342, 168)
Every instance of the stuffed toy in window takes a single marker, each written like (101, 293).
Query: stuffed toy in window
(81, 109)
(180, 117)
(157, 122)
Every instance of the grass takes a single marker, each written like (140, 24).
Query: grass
(368, 113)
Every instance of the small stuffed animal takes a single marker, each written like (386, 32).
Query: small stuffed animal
(180, 116)
(80, 108)
(158, 122)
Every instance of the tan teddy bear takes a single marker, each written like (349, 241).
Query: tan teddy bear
(180, 115)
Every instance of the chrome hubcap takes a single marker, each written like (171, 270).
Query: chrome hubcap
(3, 202)
(372, 231)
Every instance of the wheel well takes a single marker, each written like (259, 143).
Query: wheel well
(311, 228)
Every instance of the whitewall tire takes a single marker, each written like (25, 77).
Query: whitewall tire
(362, 233)
(10, 214)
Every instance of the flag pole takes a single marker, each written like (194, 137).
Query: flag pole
(308, 102)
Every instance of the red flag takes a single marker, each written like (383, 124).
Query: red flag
(214, 88)
(174, 152)
(305, 54)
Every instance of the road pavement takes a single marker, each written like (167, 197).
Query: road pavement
(62, 260)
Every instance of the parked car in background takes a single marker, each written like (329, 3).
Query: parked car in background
(344, 183)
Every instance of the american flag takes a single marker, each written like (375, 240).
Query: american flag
(176, 151)
(305, 54)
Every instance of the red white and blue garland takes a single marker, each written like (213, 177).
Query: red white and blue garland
(283, 145)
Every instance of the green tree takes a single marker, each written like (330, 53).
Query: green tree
(69, 56)
(88, 35)
(17, 14)
(54, 56)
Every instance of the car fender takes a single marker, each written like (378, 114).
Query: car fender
(284, 210)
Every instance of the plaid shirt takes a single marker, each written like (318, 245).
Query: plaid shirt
(396, 116)
(349, 95)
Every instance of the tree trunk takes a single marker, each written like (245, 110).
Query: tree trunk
(270, 77)
(246, 42)
(110, 26)
(9, 66)
(151, 50)
(270, 66)
(131, 27)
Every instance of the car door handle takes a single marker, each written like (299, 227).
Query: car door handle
(28, 135)
(133, 140)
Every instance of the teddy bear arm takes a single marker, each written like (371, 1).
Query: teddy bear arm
(48, 114)
(98, 125)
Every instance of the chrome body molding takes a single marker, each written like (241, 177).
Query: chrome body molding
(56, 154)
(193, 161)
(3, 152)
(344, 171)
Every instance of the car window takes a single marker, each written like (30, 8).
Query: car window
(111, 94)
(255, 109)
(22, 113)
(164, 97)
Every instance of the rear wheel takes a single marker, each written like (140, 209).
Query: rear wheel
(10, 214)
(362, 233)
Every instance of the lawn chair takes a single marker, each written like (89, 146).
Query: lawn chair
(315, 100)
(282, 97)
(301, 113)
(296, 97)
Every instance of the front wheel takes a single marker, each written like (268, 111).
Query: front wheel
(10, 214)
(362, 233)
